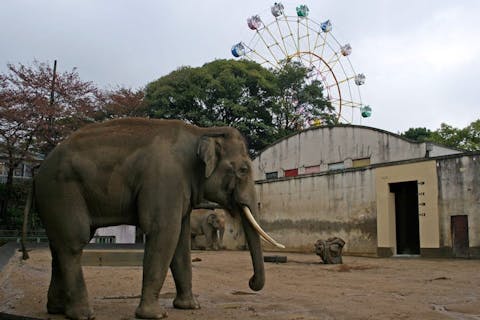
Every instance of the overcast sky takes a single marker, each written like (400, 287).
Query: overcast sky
(421, 58)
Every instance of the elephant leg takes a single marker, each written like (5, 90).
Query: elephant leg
(67, 222)
(208, 239)
(76, 297)
(161, 241)
(181, 268)
(56, 295)
(193, 243)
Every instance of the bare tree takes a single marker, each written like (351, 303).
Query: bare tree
(122, 102)
(31, 121)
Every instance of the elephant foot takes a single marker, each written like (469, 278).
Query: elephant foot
(150, 312)
(79, 312)
(187, 302)
(55, 308)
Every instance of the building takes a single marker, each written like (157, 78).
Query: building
(383, 194)
(21, 172)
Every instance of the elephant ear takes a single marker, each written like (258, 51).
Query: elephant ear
(209, 150)
(211, 218)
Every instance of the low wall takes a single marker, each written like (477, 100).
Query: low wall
(459, 194)
(298, 211)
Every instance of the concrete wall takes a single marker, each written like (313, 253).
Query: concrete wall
(459, 194)
(299, 211)
(322, 146)
(438, 150)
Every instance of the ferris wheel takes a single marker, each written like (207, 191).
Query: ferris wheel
(298, 38)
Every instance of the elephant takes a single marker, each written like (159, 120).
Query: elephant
(149, 173)
(210, 224)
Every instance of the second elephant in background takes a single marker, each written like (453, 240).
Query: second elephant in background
(209, 223)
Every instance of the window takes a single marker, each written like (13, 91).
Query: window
(18, 172)
(291, 173)
(271, 175)
(28, 171)
(312, 169)
(336, 166)
(361, 162)
(104, 239)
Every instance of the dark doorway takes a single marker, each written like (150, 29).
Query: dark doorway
(460, 244)
(406, 217)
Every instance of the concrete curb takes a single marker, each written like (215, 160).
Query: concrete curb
(7, 251)
(8, 316)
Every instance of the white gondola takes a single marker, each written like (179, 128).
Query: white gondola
(360, 79)
(277, 9)
(346, 50)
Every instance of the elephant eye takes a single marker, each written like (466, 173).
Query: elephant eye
(243, 170)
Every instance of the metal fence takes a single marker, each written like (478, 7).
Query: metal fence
(16, 235)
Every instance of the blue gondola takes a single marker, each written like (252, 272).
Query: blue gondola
(326, 26)
(238, 50)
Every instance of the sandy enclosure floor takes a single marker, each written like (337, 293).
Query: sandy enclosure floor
(303, 288)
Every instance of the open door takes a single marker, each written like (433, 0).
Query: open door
(406, 217)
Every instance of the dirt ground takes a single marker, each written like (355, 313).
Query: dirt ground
(303, 288)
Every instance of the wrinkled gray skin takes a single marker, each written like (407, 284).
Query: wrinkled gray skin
(206, 222)
(148, 173)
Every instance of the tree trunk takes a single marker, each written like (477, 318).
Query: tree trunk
(6, 197)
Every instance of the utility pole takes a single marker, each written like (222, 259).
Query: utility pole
(52, 92)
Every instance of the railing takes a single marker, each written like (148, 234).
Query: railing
(16, 235)
(103, 239)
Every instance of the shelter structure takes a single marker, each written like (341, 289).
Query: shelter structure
(383, 194)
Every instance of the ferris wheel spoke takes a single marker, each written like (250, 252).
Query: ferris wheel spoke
(268, 46)
(316, 45)
(345, 80)
(331, 61)
(263, 59)
(290, 33)
(282, 37)
(307, 36)
(276, 42)
(351, 104)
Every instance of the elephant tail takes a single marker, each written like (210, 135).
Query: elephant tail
(26, 211)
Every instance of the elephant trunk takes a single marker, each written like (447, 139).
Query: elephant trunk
(257, 281)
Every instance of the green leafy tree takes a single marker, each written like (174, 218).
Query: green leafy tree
(472, 133)
(300, 101)
(222, 92)
(420, 134)
(467, 139)
(264, 105)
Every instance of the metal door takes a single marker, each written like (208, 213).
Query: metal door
(460, 244)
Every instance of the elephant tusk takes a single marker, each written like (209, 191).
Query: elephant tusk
(259, 229)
